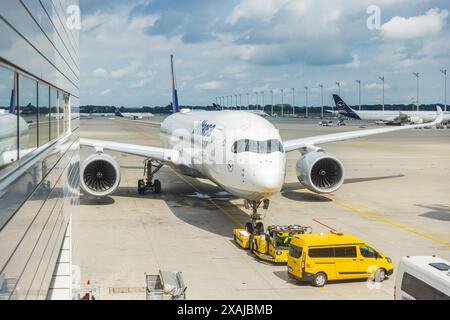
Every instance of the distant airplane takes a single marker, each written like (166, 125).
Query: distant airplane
(134, 116)
(239, 151)
(387, 117)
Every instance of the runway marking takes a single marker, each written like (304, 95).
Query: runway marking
(394, 224)
(229, 215)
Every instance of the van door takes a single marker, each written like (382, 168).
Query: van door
(367, 261)
(322, 260)
(346, 261)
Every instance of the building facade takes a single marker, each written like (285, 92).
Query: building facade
(39, 146)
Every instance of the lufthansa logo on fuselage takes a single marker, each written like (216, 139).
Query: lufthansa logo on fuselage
(205, 128)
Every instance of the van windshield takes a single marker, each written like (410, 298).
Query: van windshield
(295, 252)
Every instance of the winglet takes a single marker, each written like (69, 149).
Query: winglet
(440, 117)
(175, 105)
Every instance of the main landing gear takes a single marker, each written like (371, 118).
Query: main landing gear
(256, 227)
(150, 169)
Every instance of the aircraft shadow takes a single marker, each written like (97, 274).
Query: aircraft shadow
(290, 190)
(438, 212)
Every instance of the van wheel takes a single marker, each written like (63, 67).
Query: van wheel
(319, 280)
(380, 275)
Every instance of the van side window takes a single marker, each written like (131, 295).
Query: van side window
(345, 252)
(420, 290)
(321, 253)
(368, 252)
(295, 252)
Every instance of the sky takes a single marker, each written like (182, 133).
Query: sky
(224, 48)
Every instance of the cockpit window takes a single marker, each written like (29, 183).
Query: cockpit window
(261, 147)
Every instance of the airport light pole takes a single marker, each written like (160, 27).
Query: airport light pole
(383, 82)
(339, 90)
(271, 101)
(444, 72)
(257, 100)
(293, 101)
(359, 90)
(248, 101)
(282, 103)
(235, 98)
(321, 91)
(263, 106)
(417, 75)
(307, 111)
(240, 101)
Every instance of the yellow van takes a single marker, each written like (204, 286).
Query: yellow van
(318, 258)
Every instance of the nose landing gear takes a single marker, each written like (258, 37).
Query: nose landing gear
(150, 169)
(256, 227)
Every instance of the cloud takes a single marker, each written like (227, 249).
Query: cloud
(210, 85)
(415, 27)
(377, 86)
(122, 72)
(105, 92)
(100, 73)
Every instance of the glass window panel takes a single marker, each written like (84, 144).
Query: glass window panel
(66, 112)
(28, 119)
(61, 113)
(44, 115)
(8, 118)
(54, 114)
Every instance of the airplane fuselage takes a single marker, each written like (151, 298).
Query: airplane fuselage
(239, 151)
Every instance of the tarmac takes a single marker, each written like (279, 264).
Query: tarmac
(396, 197)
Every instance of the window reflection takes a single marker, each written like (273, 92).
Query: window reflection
(61, 113)
(54, 114)
(44, 114)
(28, 119)
(8, 118)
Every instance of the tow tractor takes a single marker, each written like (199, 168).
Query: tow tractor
(271, 246)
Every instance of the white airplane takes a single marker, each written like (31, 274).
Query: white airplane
(388, 117)
(241, 152)
(134, 116)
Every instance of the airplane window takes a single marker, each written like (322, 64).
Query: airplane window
(44, 114)
(54, 114)
(28, 116)
(8, 119)
(261, 147)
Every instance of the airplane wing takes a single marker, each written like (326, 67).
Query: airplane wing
(297, 144)
(158, 154)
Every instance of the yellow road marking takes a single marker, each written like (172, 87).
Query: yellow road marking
(394, 224)
(225, 212)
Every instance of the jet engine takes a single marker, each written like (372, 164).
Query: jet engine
(320, 172)
(100, 175)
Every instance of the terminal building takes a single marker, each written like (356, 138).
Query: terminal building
(39, 148)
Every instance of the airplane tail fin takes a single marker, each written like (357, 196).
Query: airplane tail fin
(342, 106)
(175, 105)
(12, 102)
(118, 113)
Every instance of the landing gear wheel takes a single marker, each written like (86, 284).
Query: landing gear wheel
(157, 186)
(249, 228)
(259, 228)
(319, 280)
(141, 187)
